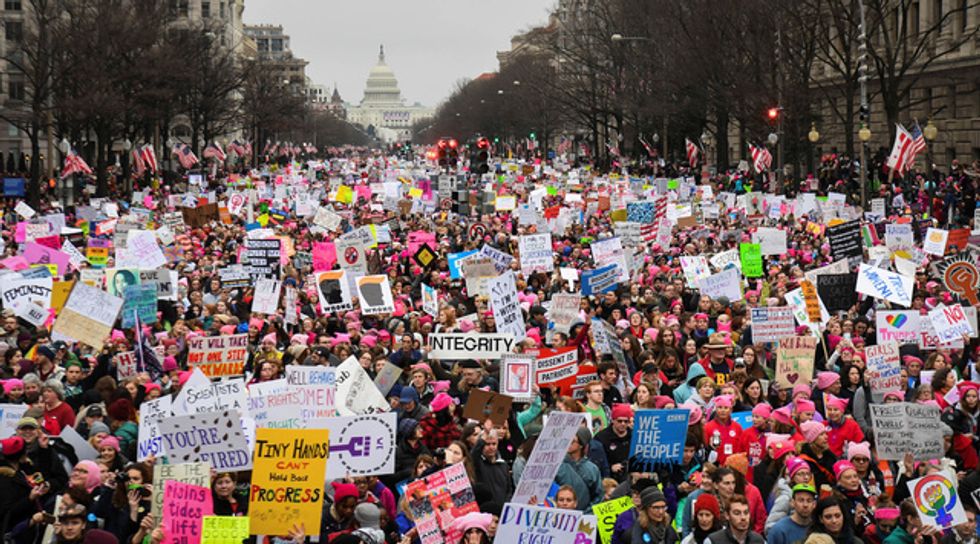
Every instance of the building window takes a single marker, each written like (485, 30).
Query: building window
(182, 7)
(206, 9)
(951, 100)
(914, 19)
(221, 9)
(16, 89)
(11, 5)
(976, 153)
(964, 15)
(950, 154)
(277, 45)
(14, 31)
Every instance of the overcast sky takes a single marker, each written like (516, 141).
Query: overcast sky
(430, 44)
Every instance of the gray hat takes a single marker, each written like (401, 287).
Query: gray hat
(368, 515)
(98, 427)
(584, 436)
(650, 496)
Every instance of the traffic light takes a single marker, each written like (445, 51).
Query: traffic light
(480, 157)
(773, 114)
(448, 152)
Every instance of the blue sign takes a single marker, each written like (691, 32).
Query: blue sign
(600, 280)
(14, 187)
(658, 438)
(743, 418)
(455, 259)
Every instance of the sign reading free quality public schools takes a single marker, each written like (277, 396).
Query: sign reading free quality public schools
(469, 345)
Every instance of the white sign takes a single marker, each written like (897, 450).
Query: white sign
(772, 241)
(537, 254)
(695, 268)
(356, 392)
(200, 395)
(469, 345)
(950, 323)
(506, 309)
(17, 290)
(430, 300)
(152, 412)
(216, 438)
(333, 289)
(935, 241)
(727, 283)
(880, 283)
(374, 295)
(362, 445)
(610, 251)
(266, 298)
(546, 457)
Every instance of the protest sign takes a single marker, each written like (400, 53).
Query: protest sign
(469, 345)
(362, 445)
(139, 303)
(836, 291)
(523, 523)
(515, 376)
(750, 256)
(10, 415)
(898, 235)
(546, 457)
(198, 474)
(387, 377)
(726, 259)
(794, 360)
(555, 365)
(456, 261)
(771, 241)
(33, 314)
(87, 317)
(883, 372)
(610, 251)
(374, 295)
(769, 324)
(937, 501)
(606, 514)
(482, 405)
(262, 258)
(695, 268)
(905, 427)
(600, 280)
(199, 394)
(152, 412)
(477, 272)
(117, 279)
(216, 438)
(224, 529)
(436, 500)
(218, 356)
(40, 254)
(950, 323)
(142, 248)
(564, 311)
(880, 283)
(234, 277)
(287, 479)
(935, 242)
(357, 393)
(901, 326)
(266, 297)
(501, 260)
(845, 240)
(727, 283)
(184, 506)
(961, 276)
(658, 437)
(536, 253)
(17, 290)
(333, 289)
(165, 282)
(506, 309)
(430, 300)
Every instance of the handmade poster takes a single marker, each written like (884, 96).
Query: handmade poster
(478, 271)
(139, 303)
(387, 377)
(40, 254)
(901, 326)
(362, 445)
(436, 500)
(935, 242)
(769, 324)
(198, 474)
(794, 360)
(727, 283)
(224, 529)
(555, 365)
(374, 295)
(152, 412)
(87, 317)
(600, 280)
(905, 427)
(610, 251)
(547, 456)
(750, 256)
(266, 297)
(536, 253)
(658, 437)
(884, 369)
(430, 300)
(142, 248)
(726, 259)
(937, 501)
(287, 479)
(482, 405)
(218, 356)
(837, 291)
(771, 241)
(950, 323)
(215, 438)
(356, 391)
(501, 260)
(262, 258)
(524, 523)
(606, 514)
(564, 311)
(455, 345)
(899, 235)
(199, 395)
(17, 290)
(506, 309)
(694, 267)
(880, 283)
(516, 372)
(184, 506)
(10, 415)
(33, 314)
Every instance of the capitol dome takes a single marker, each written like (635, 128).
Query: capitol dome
(382, 86)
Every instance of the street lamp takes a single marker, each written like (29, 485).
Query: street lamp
(64, 145)
(773, 138)
(813, 135)
(930, 132)
(864, 134)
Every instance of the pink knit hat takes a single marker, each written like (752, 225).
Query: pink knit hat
(805, 405)
(762, 410)
(842, 466)
(441, 402)
(93, 478)
(794, 465)
(783, 415)
(826, 379)
(811, 430)
(109, 442)
(270, 338)
(801, 388)
(836, 402)
(858, 449)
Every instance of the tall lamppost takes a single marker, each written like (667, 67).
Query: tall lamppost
(813, 136)
(929, 132)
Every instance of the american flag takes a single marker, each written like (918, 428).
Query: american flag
(237, 148)
(310, 149)
(564, 145)
(692, 152)
(214, 151)
(149, 157)
(613, 149)
(74, 164)
(185, 155)
(761, 158)
(646, 145)
(903, 152)
(138, 166)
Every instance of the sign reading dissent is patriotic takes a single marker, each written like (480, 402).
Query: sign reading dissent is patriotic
(218, 356)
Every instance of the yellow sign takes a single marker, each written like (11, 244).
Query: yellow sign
(606, 513)
(97, 256)
(415, 192)
(224, 529)
(52, 268)
(344, 194)
(288, 471)
(59, 293)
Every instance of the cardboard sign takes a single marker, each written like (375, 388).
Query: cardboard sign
(215, 438)
(903, 427)
(430, 300)
(935, 242)
(546, 457)
(469, 345)
(362, 445)
(658, 437)
(184, 506)
(152, 412)
(937, 501)
(794, 360)
(87, 317)
(199, 395)
(884, 369)
(555, 365)
(520, 522)
(506, 309)
(771, 241)
(198, 474)
(961, 276)
(10, 415)
(293, 460)
(900, 326)
(374, 295)
(218, 356)
(356, 391)
(482, 405)
(536, 253)
(837, 291)
(516, 371)
(769, 324)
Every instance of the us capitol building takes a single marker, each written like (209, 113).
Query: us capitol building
(383, 112)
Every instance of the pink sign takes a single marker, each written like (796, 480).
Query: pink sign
(419, 237)
(324, 256)
(39, 254)
(184, 507)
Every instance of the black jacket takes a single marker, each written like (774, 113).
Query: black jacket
(494, 474)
